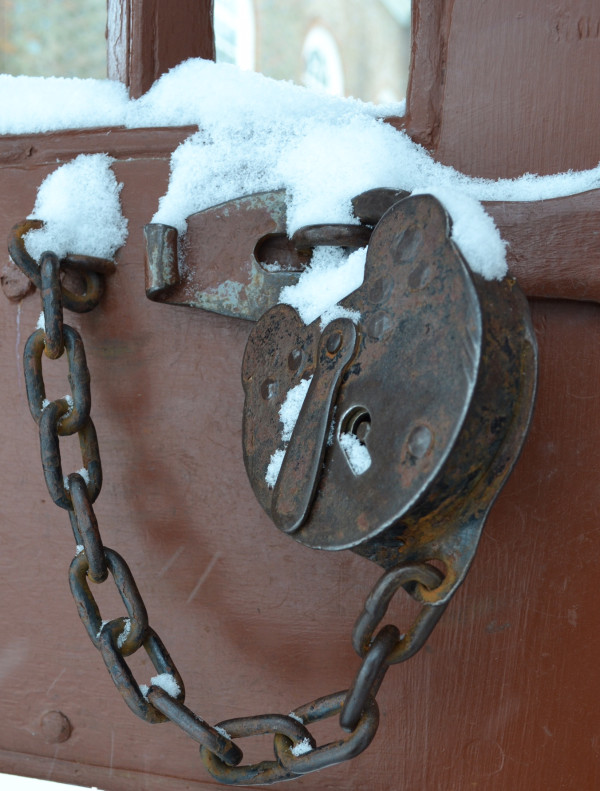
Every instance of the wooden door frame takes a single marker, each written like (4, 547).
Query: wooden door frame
(146, 38)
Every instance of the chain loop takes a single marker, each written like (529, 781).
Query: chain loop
(331, 235)
(51, 461)
(79, 380)
(369, 677)
(132, 629)
(334, 752)
(195, 727)
(86, 530)
(265, 772)
(377, 603)
(114, 659)
(52, 305)
(92, 269)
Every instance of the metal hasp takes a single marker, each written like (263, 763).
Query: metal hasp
(245, 237)
(435, 386)
(236, 257)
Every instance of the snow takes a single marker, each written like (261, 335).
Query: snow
(288, 414)
(357, 454)
(45, 104)
(124, 634)
(83, 472)
(302, 747)
(15, 783)
(102, 625)
(165, 681)
(473, 231)
(223, 732)
(261, 134)
(290, 409)
(274, 467)
(331, 276)
(79, 204)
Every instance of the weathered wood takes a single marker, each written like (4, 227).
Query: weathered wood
(554, 245)
(429, 49)
(146, 38)
(505, 694)
(57, 147)
(502, 89)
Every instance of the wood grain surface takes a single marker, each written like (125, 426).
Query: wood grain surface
(505, 694)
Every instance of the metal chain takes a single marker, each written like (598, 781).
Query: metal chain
(296, 752)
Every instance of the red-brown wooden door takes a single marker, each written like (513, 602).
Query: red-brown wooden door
(505, 694)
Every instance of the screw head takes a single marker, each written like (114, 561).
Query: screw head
(55, 727)
(269, 389)
(419, 441)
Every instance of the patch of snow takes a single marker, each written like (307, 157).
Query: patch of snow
(357, 454)
(261, 134)
(274, 467)
(473, 231)
(79, 204)
(83, 472)
(124, 634)
(41, 322)
(167, 682)
(302, 747)
(331, 275)
(102, 625)
(290, 409)
(223, 732)
(79, 549)
(288, 414)
(43, 104)
(294, 716)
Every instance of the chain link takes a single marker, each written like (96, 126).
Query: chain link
(296, 752)
(78, 376)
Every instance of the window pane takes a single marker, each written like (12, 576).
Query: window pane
(355, 48)
(63, 38)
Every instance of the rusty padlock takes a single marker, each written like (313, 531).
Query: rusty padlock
(432, 389)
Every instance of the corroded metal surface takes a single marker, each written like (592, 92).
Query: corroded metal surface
(91, 269)
(236, 257)
(439, 393)
(219, 269)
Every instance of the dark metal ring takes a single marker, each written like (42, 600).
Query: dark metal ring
(377, 603)
(369, 677)
(194, 726)
(123, 677)
(265, 772)
(89, 611)
(334, 752)
(79, 379)
(92, 269)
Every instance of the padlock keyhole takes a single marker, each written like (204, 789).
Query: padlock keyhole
(354, 430)
(358, 423)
